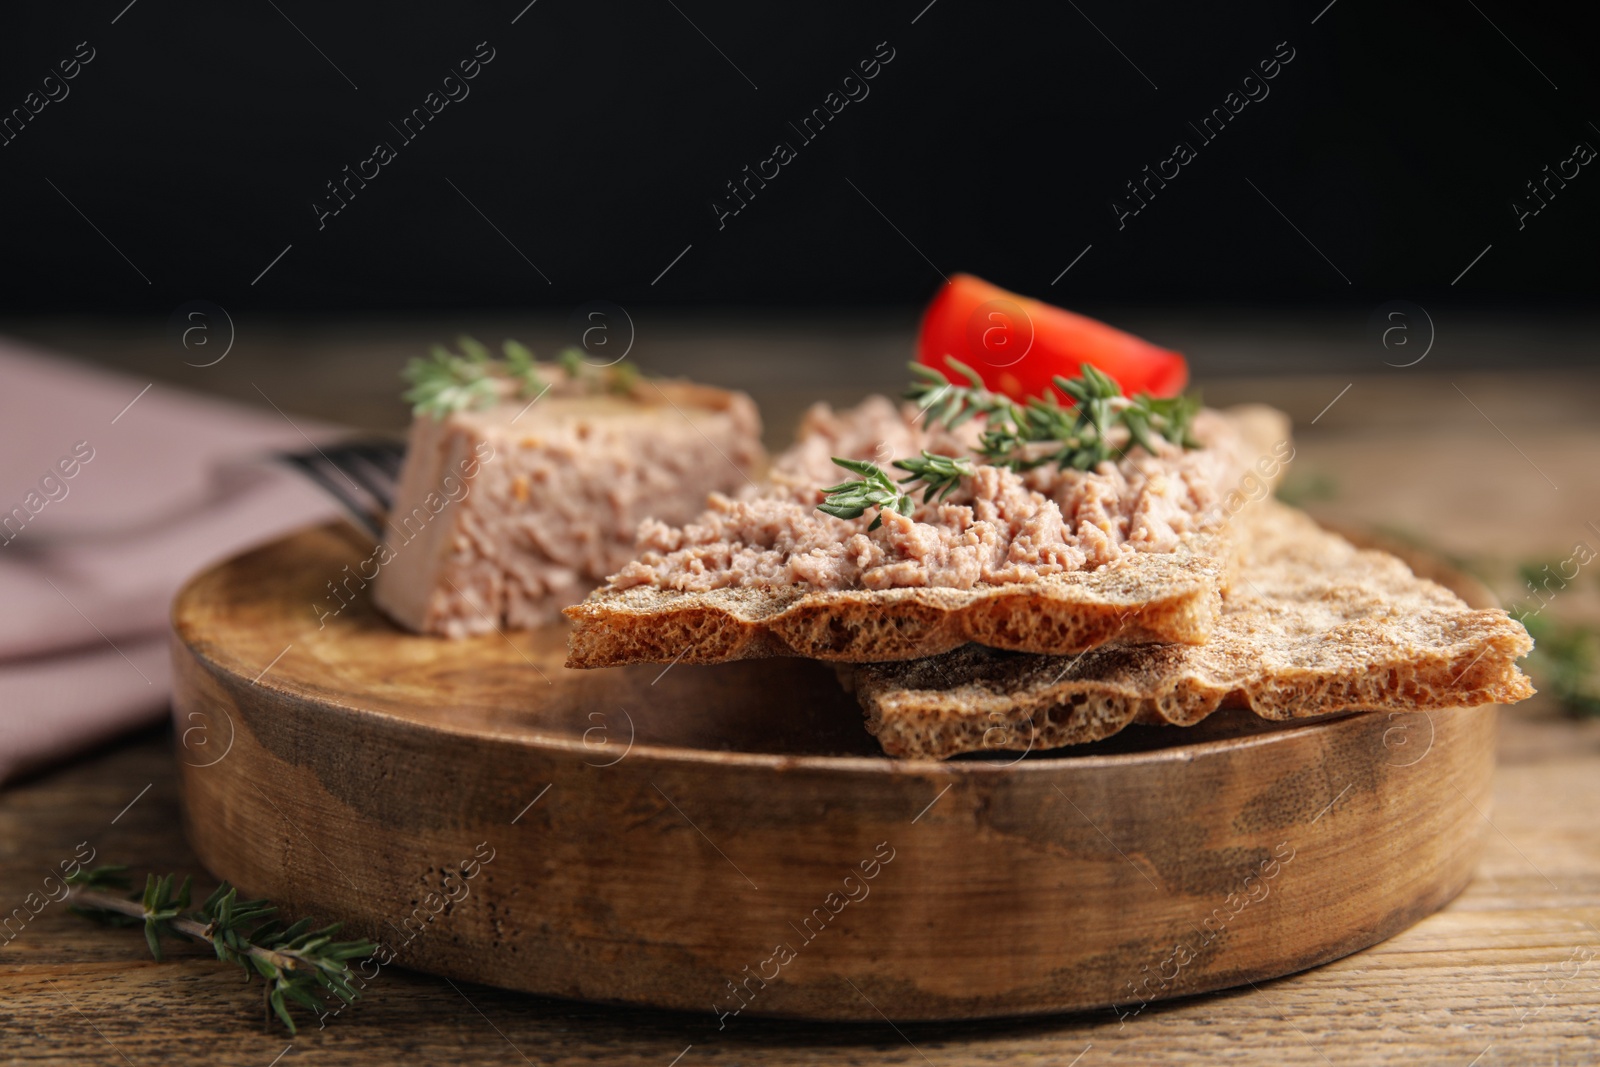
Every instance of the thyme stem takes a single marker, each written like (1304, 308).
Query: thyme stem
(93, 900)
(1078, 436)
(299, 964)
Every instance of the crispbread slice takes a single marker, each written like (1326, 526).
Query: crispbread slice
(1165, 596)
(1311, 626)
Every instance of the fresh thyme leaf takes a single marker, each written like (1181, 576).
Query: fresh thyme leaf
(1094, 391)
(949, 405)
(875, 489)
(297, 962)
(160, 908)
(938, 474)
(106, 876)
(1172, 417)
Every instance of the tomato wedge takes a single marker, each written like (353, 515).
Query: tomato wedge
(1018, 344)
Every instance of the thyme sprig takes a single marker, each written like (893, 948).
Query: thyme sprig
(296, 961)
(874, 489)
(1019, 436)
(938, 476)
(1023, 436)
(618, 377)
(447, 382)
(944, 403)
(521, 367)
(1566, 660)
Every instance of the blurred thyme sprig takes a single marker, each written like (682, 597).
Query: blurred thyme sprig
(296, 961)
(1019, 436)
(520, 366)
(1566, 660)
(618, 377)
(447, 382)
(571, 360)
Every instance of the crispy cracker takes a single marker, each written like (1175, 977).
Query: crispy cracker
(1172, 597)
(1166, 596)
(1311, 626)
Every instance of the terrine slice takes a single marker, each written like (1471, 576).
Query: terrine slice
(508, 513)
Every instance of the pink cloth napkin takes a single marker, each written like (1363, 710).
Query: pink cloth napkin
(114, 491)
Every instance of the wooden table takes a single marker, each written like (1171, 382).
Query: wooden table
(1509, 973)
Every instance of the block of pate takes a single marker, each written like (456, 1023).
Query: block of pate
(509, 513)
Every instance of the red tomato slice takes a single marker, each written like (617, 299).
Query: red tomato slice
(1018, 344)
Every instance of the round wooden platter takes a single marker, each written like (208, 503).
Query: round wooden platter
(730, 839)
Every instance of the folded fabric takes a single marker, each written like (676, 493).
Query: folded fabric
(113, 491)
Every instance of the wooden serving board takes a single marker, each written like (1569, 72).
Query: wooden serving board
(723, 839)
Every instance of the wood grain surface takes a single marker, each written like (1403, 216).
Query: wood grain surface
(1501, 969)
(728, 840)
(1502, 975)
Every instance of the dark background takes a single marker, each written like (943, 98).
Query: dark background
(200, 135)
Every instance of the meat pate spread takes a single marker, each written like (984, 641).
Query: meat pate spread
(997, 527)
